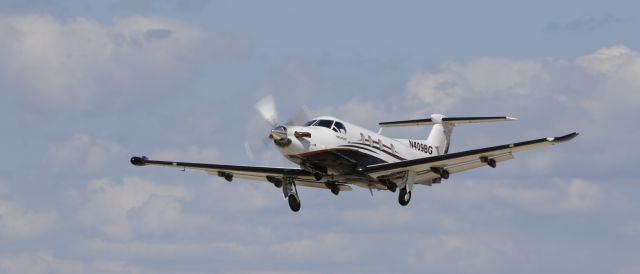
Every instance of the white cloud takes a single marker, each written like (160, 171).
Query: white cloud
(376, 217)
(120, 209)
(609, 60)
(136, 249)
(163, 214)
(19, 222)
(325, 247)
(76, 62)
(476, 79)
(38, 263)
(464, 253)
(575, 195)
(617, 69)
(604, 78)
(83, 152)
(243, 195)
(48, 263)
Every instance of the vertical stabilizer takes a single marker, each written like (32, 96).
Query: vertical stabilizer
(440, 135)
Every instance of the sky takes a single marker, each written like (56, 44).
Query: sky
(85, 85)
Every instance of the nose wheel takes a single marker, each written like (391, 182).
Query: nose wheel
(404, 196)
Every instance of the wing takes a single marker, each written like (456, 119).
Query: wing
(257, 173)
(441, 166)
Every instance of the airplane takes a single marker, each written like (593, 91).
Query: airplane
(335, 155)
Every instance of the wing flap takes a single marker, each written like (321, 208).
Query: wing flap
(477, 163)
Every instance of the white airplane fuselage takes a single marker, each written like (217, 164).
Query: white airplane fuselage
(340, 152)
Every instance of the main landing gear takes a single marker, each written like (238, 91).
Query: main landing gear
(294, 202)
(291, 193)
(404, 196)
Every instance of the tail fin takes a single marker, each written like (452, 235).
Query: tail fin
(440, 135)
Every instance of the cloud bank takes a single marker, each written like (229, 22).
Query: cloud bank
(77, 62)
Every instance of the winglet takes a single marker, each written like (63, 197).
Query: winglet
(564, 138)
(139, 161)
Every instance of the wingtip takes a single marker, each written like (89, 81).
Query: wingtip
(565, 138)
(512, 118)
(139, 161)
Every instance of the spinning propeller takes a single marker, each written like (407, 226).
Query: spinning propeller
(266, 107)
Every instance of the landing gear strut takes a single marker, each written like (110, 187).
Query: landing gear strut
(291, 193)
(404, 196)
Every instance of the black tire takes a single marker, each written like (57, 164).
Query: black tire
(444, 174)
(318, 176)
(401, 194)
(335, 190)
(392, 187)
(294, 203)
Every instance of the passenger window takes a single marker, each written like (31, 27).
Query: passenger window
(340, 127)
(324, 123)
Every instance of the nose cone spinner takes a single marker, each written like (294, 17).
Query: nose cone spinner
(280, 136)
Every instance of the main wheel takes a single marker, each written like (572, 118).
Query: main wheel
(318, 176)
(404, 197)
(294, 203)
(335, 190)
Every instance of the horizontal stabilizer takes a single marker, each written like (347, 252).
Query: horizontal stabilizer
(439, 119)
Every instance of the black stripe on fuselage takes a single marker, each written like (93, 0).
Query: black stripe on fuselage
(366, 147)
(343, 159)
(358, 147)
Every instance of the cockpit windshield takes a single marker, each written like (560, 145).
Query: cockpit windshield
(324, 123)
(330, 124)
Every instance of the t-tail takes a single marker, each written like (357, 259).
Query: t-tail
(440, 136)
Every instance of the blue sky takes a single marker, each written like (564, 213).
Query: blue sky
(87, 84)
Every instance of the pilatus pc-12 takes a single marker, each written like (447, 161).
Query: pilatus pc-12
(335, 155)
